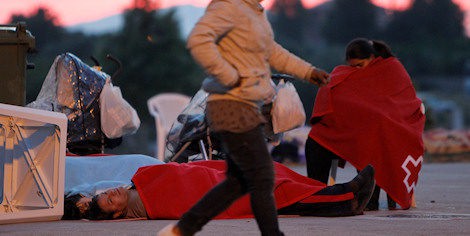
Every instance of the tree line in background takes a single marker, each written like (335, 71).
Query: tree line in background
(429, 38)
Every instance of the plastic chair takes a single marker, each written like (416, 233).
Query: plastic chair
(165, 108)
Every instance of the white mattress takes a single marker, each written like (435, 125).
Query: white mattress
(92, 175)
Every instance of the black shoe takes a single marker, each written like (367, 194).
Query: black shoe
(373, 204)
(392, 205)
(372, 207)
(363, 186)
(363, 177)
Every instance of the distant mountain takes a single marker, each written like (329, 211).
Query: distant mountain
(187, 16)
(106, 25)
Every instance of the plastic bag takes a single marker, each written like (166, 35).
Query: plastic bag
(118, 117)
(72, 87)
(288, 111)
(189, 125)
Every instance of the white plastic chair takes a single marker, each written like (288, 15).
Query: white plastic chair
(165, 108)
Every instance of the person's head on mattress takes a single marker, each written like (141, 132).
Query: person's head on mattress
(115, 203)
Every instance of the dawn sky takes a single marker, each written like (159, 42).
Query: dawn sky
(70, 12)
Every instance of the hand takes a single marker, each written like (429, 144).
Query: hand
(319, 77)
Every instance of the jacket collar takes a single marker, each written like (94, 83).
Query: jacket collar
(255, 4)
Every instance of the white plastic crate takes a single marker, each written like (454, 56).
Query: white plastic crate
(32, 164)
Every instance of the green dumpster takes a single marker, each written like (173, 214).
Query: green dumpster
(15, 43)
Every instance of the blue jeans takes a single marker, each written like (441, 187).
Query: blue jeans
(249, 170)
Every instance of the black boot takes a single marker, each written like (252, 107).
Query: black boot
(362, 178)
(362, 186)
(373, 204)
(392, 205)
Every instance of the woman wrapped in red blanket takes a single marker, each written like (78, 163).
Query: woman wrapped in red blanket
(167, 191)
(369, 114)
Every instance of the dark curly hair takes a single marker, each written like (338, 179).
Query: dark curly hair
(96, 213)
(71, 210)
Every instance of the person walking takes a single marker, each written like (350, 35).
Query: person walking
(233, 41)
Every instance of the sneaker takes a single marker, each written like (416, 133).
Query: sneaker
(169, 230)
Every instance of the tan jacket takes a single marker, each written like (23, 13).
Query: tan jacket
(233, 41)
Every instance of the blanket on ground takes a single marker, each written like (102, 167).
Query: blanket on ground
(169, 190)
(372, 115)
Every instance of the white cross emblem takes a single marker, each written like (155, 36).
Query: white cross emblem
(408, 172)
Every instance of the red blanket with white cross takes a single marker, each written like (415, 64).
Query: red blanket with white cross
(372, 115)
(169, 190)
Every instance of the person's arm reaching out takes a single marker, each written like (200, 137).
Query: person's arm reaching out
(286, 62)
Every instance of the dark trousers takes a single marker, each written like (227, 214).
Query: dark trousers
(249, 170)
(318, 160)
(324, 209)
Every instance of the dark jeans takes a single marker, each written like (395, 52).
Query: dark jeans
(318, 160)
(249, 170)
(324, 209)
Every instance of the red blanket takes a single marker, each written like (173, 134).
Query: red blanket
(169, 190)
(372, 115)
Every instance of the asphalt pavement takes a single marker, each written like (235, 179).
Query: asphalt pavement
(442, 208)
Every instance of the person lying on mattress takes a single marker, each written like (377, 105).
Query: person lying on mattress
(167, 191)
